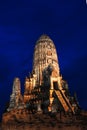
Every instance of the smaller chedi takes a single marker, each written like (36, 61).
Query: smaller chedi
(45, 91)
(16, 99)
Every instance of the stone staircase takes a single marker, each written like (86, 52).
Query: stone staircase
(64, 101)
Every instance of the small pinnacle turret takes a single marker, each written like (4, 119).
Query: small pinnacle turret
(16, 99)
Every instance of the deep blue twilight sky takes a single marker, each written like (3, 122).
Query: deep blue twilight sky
(21, 24)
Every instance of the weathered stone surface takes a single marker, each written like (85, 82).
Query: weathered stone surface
(43, 122)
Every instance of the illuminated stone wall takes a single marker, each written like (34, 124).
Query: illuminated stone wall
(44, 54)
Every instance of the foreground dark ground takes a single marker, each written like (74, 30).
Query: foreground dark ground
(44, 121)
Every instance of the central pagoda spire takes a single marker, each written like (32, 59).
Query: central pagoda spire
(45, 54)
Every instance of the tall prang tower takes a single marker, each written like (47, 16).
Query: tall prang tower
(45, 83)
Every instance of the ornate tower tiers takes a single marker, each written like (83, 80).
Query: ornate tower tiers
(44, 55)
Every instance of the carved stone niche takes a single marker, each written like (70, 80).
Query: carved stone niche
(54, 73)
(49, 53)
